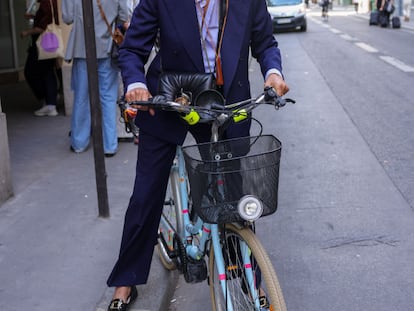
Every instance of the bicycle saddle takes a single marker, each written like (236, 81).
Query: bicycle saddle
(172, 84)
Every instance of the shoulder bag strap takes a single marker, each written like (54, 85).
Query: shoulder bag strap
(53, 12)
(104, 17)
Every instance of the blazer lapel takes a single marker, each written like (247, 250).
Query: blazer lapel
(183, 15)
(233, 39)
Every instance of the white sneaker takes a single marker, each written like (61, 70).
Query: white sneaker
(48, 110)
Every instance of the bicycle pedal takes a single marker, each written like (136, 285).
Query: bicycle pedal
(195, 271)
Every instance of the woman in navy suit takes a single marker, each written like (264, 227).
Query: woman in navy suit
(194, 37)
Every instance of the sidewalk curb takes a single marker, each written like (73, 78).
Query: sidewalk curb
(315, 11)
(403, 24)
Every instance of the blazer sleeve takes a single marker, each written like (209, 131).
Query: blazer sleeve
(68, 11)
(138, 43)
(264, 46)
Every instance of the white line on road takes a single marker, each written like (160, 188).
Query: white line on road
(370, 49)
(347, 37)
(397, 63)
(334, 30)
(366, 47)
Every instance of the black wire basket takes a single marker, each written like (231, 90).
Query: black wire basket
(221, 173)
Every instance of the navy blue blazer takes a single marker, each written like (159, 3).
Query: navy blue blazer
(248, 28)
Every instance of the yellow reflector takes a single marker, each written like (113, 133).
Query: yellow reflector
(240, 115)
(192, 117)
(231, 268)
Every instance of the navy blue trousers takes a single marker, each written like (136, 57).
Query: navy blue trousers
(155, 157)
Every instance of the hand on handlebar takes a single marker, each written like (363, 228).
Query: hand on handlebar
(275, 81)
(139, 94)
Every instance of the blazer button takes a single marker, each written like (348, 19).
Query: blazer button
(240, 84)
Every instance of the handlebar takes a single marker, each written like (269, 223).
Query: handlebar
(209, 106)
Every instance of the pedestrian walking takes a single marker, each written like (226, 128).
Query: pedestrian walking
(72, 14)
(325, 7)
(41, 75)
(407, 10)
(386, 8)
(356, 5)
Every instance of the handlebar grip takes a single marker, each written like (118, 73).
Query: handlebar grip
(160, 102)
(271, 96)
(158, 99)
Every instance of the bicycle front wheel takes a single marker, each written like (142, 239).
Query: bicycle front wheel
(249, 277)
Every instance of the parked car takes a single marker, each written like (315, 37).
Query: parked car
(287, 14)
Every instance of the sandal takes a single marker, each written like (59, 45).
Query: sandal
(120, 305)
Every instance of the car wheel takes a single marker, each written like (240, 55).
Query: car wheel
(303, 27)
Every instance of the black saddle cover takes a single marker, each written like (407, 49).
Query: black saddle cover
(173, 84)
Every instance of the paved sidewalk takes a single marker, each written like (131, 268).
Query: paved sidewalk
(55, 252)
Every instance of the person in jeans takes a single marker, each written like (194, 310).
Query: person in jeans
(41, 74)
(72, 14)
(195, 36)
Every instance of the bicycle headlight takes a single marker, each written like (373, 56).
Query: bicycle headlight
(250, 208)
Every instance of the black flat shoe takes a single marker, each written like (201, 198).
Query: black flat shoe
(110, 155)
(120, 305)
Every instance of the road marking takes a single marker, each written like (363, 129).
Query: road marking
(397, 63)
(334, 30)
(347, 37)
(366, 47)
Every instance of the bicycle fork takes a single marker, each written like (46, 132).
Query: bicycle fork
(222, 273)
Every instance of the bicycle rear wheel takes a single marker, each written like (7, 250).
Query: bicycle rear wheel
(171, 225)
(237, 284)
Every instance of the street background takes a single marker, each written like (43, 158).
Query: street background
(342, 238)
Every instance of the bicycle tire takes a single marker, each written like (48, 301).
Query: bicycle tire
(171, 214)
(241, 298)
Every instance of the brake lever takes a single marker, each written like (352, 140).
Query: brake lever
(290, 100)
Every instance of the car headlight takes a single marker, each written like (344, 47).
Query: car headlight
(299, 12)
(250, 208)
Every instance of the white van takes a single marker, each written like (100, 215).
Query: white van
(287, 14)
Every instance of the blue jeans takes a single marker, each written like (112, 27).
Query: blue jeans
(81, 114)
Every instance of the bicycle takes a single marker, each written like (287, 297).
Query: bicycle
(325, 8)
(204, 215)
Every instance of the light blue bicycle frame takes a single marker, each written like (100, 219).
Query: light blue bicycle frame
(186, 230)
